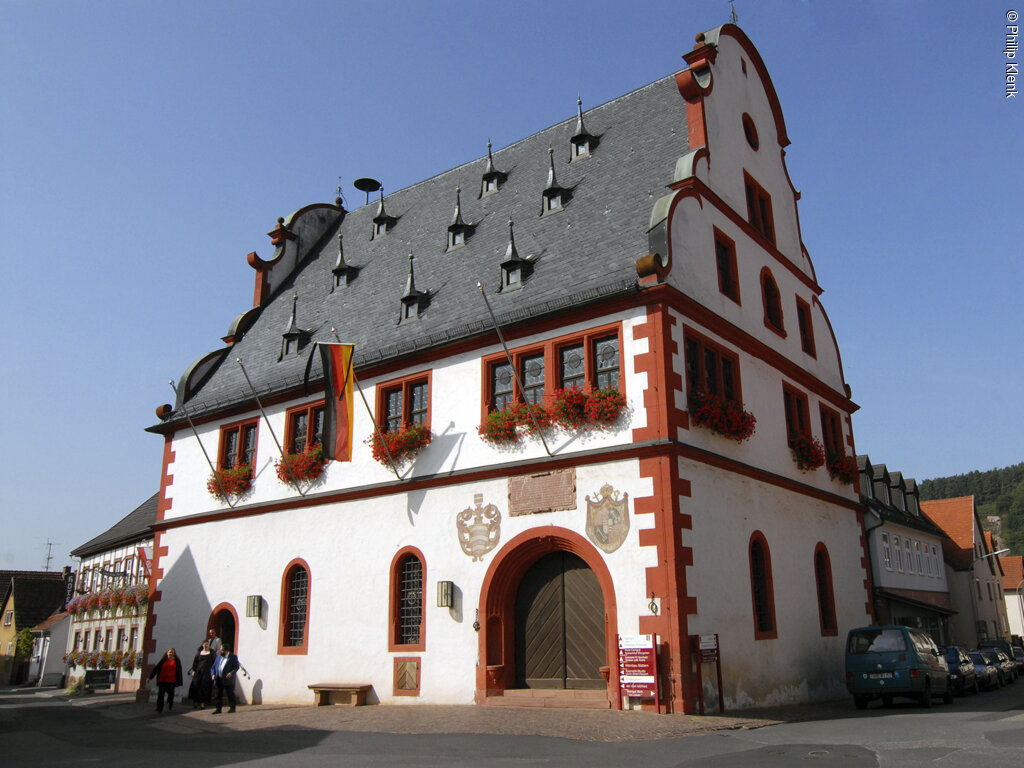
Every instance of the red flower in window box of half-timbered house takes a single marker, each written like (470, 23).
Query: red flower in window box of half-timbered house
(604, 407)
(226, 483)
(305, 467)
(842, 468)
(808, 452)
(92, 601)
(130, 660)
(106, 600)
(401, 444)
(721, 415)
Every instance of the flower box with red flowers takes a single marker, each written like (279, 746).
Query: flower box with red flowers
(842, 468)
(400, 445)
(604, 407)
(506, 426)
(808, 452)
(719, 414)
(305, 467)
(227, 483)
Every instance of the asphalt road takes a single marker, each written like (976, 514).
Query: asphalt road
(39, 730)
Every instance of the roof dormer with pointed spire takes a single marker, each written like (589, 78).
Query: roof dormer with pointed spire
(382, 222)
(515, 269)
(343, 272)
(294, 338)
(555, 196)
(583, 142)
(492, 178)
(458, 231)
(413, 301)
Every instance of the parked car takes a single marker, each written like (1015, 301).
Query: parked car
(994, 674)
(1007, 664)
(962, 675)
(1018, 659)
(887, 661)
(996, 642)
(986, 670)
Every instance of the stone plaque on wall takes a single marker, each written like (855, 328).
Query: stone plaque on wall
(542, 492)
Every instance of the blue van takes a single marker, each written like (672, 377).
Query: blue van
(887, 661)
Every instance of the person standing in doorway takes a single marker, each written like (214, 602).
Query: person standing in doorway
(224, 671)
(213, 640)
(168, 677)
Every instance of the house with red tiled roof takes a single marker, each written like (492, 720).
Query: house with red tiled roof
(973, 571)
(1013, 593)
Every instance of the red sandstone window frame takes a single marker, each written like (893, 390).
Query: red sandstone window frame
(395, 602)
(404, 384)
(797, 412)
(239, 427)
(284, 645)
(551, 351)
(774, 319)
(725, 266)
(806, 325)
(762, 590)
(291, 416)
(395, 690)
(831, 431)
(759, 208)
(694, 341)
(825, 591)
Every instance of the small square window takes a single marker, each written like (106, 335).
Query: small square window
(490, 185)
(553, 202)
(403, 403)
(238, 445)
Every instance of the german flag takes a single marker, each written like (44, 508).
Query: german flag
(338, 378)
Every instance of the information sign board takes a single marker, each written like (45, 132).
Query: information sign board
(638, 666)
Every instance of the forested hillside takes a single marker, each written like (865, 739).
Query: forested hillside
(996, 492)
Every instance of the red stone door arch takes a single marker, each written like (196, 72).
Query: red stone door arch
(496, 670)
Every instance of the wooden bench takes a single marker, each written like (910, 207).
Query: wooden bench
(354, 695)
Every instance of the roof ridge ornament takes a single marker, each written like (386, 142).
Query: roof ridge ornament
(552, 181)
(457, 217)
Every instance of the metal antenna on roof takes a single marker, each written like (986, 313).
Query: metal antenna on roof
(732, 16)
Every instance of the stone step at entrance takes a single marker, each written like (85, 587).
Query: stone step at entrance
(550, 697)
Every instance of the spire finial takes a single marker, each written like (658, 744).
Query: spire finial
(511, 254)
(551, 168)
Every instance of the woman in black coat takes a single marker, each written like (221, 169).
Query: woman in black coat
(201, 688)
(168, 677)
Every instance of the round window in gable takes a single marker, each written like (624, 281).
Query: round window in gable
(750, 131)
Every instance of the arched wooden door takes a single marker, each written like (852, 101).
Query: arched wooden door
(559, 625)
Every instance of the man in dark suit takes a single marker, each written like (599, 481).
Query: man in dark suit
(224, 670)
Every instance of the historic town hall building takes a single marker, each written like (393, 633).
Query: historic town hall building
(664, 449)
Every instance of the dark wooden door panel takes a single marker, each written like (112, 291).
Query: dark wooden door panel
(584, 626)
(559, 625)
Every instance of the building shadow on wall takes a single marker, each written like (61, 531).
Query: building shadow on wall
(182, 594)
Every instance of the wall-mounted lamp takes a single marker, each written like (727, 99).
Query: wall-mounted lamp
(445, 594)
(254, 606)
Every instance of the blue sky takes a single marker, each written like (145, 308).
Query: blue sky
(147, 147)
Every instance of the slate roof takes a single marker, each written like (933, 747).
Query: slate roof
(36, 596)
(889, 512)
(132, 527)
(582, 254)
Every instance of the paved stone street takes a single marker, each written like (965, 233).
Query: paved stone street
(580, 724)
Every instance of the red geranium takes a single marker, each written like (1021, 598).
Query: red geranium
(808, 452)
(842, 468)
(225, 483)
(301, 467)
(721, 415)
(401, 444)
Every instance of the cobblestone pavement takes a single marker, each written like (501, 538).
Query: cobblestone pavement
(584, 725)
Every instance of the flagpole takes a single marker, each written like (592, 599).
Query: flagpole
(380, 435)
(213, 469)
(264, 414)
(512, 365)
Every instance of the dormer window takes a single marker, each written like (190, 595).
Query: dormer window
(380, 228)
(382, 222)
(580, 148)
(555, 196)
(456, 239)
(514, 270)
(458, 231)
(552, 201)
(490, 185)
